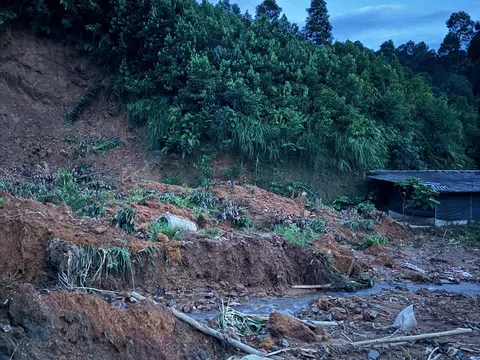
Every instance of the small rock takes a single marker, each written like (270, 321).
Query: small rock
(170, 303)
(267, 344)
(370, 315)
(285, 343)
(322, 304)
(280, 325)
(240, 287)
(338, 313)
(49, 152)
(452, 351)
(100, 230)
(373, 355)
(209, 295)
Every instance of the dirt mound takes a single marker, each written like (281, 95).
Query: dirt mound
(343, 258)
(29, 226)
(64, 325)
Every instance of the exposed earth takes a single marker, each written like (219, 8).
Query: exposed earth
(66, 280)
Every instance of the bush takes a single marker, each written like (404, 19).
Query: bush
(125, 219)
(2, 201)
(173, 232)
(295, 235)
(372, 240)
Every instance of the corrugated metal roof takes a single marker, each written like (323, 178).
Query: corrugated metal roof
(444, 181)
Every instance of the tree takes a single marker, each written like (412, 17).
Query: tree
(269, 9)
(462, 26)
(318, 28)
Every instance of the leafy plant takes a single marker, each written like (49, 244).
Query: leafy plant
(241, 324)
(178, 201)
(2, 201)
(416, 195)
(103, 145)
(294, 234)
(369, 241)
(173, 232)
(125, 219)
(172, 180)
(86, 99)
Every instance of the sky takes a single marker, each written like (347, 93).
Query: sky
(374, 21)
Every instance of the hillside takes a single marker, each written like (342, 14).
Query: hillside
(197, 75)
(114, 114)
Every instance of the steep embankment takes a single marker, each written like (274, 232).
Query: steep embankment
(40, 81)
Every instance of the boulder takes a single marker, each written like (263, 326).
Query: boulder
(282, 325)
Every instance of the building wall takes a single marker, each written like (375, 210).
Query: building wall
(454, 207)
(476, 207)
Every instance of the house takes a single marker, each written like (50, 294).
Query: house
(459, 195)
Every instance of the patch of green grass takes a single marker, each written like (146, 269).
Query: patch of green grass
(244, 222)
(372, 240)
(468, 234)
(2, 201)
(178, 201)
(233, 172)
(212, 233)
(361, 224)
(295, 235)
(71, 139)
(85, 100)
(173, 232)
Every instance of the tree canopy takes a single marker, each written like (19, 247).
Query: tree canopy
(318, 28)
(196, 73)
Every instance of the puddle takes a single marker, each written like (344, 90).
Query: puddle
(290, 305)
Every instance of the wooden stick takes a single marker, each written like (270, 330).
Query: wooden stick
(216, 334)
(323, 286)
(410, 338)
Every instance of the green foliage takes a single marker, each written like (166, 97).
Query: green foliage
(469, 234)
(178, 201)
(291, 189)
(212, 233)
(70, 191)
(2, 201)
(295, 235)
(415, 195)
(103, 145)
(233, 172)
(173, 232)
(203, 199)
(244, 222)
(86, 99)
(372, 240)
(125, 219)
(318, 28)
(195, 73)
(204, 170)
(5, 16)
(172, 180)
(361, 224)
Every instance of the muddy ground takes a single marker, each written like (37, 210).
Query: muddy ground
(42, 317)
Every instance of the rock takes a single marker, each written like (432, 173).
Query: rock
(100, 230)
(373, 355)
(280, 325)
(386, 260)
(342, 257)
(209, 295)
(376, 249)
(162, 238)
(240, 287)
(267, 344)
(322, 303)
(370, 315)
(338, 313)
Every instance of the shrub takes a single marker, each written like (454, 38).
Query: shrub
(172, 180)
(86, 99)
(2, 201)
(213, 233)
(178, 201)
(372, 240)
(173, 232)
(125, 219)
(294, 234)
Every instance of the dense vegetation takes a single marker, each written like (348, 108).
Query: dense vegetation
(198, 74)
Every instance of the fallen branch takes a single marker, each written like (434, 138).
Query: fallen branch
(323, 286)
(216, 334)
(411, 338)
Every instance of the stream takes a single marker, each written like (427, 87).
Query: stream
(290, 305)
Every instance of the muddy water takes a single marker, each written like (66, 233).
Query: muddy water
(290, 305)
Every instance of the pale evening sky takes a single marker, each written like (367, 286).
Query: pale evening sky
(374, 21)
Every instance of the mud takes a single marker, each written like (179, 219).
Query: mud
(63, 325)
